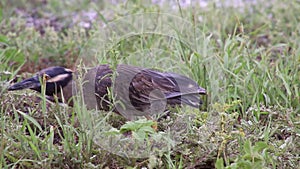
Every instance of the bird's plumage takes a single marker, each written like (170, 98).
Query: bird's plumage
(137, 89)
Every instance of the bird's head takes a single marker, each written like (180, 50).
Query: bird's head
(54, 77)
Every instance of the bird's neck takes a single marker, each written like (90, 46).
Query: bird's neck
(66, 94)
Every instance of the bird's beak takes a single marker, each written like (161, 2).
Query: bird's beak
(29, 83)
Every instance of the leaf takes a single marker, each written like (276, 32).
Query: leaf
(259, 146)
(128, 126)
(135, 125)
(219, 163)
(247, 147)
(245, 164)
(1, 13)
(139, 135)
(32, 120)
(49, 138)
(35, 149)
(147, 129)
(3, 38)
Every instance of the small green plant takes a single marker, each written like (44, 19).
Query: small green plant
(252, 156)
(140, 129)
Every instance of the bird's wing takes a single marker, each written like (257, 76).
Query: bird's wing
(151, 84)
(142, 86)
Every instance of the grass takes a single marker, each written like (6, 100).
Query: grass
(246, 58)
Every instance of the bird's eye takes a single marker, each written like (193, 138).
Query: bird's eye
(46, 77)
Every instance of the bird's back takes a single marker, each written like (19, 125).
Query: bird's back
(135, 90)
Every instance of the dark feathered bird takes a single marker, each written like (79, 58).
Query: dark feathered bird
(136, 91)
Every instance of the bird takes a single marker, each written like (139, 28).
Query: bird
(127, 90)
